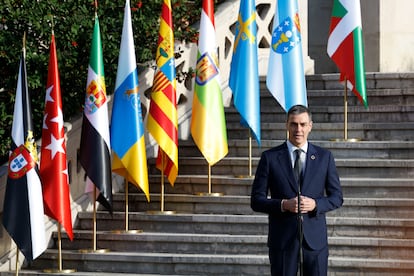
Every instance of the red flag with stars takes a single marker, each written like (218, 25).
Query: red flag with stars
(53, 163)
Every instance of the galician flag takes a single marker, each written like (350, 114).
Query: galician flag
(127, 130)
(346, 46)
(162, 118)
(208, 125)
(95, 147)
(286, 74)
(23, 215)
(244, 71)
(53, 163)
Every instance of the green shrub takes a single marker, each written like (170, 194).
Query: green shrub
(73, 25)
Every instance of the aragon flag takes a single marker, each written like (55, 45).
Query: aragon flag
(127, 130)
(208, 124)
(23, 215)
(346, 46)
(53, 163)
(244, 72)
(162, 118)
(95, 152)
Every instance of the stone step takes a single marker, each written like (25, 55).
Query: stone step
(359, 187)
(183, 243)
(340, 149)
(332, 113)
(381, 168)
(402, 228)
(160, 263)
(179, 243)
(345, 266)
(240, 205)
(367, 131)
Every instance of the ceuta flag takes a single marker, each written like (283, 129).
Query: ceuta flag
(53, 163)
(346, 47)
(208, 124)
(286, 74)
(95, 149)
(162, 118)
(23, 215)
(127, 129)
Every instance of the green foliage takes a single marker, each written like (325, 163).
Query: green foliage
(72, 23)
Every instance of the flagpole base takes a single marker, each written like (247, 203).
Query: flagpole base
(91, 250)
(160, 212)
(241, 176)
(210, 194)
(351, 140)
(133, 231)
(63, 271)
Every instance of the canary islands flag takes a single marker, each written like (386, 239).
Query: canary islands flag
(127, 131)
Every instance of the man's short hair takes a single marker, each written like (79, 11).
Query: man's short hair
(299, 109)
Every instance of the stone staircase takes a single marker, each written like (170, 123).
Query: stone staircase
(372, 234)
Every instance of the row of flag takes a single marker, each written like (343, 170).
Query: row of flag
(32, 191)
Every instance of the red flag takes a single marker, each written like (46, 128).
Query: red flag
(53, 163)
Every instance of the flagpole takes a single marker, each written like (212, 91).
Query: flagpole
(126, 205)
(250, 153)
(346, 111)
(94, 220)
(162, 182)
(17, 256)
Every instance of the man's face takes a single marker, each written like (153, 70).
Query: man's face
(299, 126)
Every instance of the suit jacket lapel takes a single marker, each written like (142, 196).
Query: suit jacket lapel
(311, 164)
(286, 167)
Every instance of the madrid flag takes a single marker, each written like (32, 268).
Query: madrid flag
(53, 163)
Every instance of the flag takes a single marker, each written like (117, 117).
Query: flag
(95, 153)
(346, 47)
(208, 125)
(244, 70)
(162, 118)
(53, 163)
(23, 215)
(127, 130)
(286, 74)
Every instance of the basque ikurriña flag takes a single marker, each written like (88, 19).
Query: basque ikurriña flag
(208, 125)
(162, 118)
(95, 152)
(346, 46)
(286, 74)
(127, 130)
(53, 163)
(23, 215)
(244, 72)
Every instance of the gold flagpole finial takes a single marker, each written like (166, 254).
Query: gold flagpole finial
(24, 44)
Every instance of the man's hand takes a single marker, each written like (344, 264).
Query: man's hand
(307, 204)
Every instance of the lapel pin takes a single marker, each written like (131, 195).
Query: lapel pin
(313, 157)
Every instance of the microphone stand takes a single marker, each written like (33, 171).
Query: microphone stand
(300, 226)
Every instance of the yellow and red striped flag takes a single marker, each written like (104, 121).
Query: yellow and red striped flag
(208, 125)
(162, 118)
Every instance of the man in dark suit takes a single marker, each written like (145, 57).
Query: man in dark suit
(316, 187)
